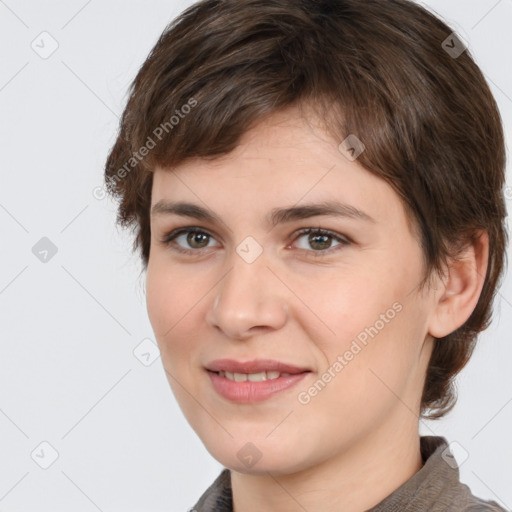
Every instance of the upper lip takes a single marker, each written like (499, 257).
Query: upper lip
(253, 366)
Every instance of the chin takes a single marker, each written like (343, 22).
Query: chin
(259, 456)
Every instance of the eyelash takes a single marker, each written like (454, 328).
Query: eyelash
(343, 240)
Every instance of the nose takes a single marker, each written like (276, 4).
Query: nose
(249, 299)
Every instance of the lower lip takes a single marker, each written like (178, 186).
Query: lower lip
(249, 392)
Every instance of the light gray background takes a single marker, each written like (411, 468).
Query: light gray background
(69, 327)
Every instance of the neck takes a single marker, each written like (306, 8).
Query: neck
(355, 479)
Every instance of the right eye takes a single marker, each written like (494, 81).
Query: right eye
(196, 239)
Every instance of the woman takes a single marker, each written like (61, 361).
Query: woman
(316, 189)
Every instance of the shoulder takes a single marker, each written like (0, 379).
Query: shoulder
(483, 506)
(474, 504)
(443, 475)
(436, 487)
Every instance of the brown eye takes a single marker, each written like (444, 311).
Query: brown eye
(188, 241)
(197, 240)
(319, 241)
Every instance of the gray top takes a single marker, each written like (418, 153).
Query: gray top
(436, 487)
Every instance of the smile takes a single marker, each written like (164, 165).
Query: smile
(253, 377)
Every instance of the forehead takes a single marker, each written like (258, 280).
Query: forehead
(282, 161)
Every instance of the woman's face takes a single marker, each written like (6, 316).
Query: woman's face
(341, 307)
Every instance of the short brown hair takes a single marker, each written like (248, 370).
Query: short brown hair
(380, 69)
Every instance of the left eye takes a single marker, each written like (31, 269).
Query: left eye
(320, 239)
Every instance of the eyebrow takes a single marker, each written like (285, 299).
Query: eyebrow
(276, 216)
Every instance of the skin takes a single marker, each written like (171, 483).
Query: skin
(356, 440)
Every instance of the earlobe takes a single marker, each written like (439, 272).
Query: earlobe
(457, 296)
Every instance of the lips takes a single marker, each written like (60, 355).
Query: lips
(254, 366)
(248, 382)
(254, 381)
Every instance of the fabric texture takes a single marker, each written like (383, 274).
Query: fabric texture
(436, 487)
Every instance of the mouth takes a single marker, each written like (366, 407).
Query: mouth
(252, 377)
(253, 381)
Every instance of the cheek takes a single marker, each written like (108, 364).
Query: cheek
(158, 303)
(383, 365)
(343, 308)
(166, 300)
(365, 322)
(175, 302)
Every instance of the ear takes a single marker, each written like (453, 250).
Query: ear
(458, 295)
